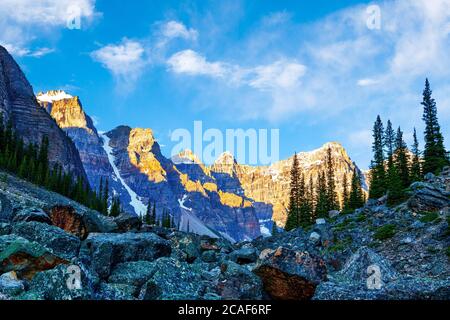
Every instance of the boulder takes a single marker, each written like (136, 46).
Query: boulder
(54, 285)
(320, 221)
(173, 280)
(314, 237)
(333, 213)
(134, 273)
(116, 291)
(5, 228)
(244, 255)
(290, 275)
(428, 197)
(127, 222)
(66, 218)
(10, 284)
(6, 212)
(186, 247)
(209, 256)
(102, 251)
(32, 214)
(56, 240)
(238, 283)
(24, 257)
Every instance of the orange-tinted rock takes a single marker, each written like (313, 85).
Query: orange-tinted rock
(66, 218)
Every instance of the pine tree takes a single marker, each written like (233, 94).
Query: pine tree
(304, 216)
(321, 210)
(416, 169)
(332, 202)
(294, 196)
(402, 159)
(345, 193)
(378, 174)
(115, 207)
(435, 156)
(274, 229)
(356, 197)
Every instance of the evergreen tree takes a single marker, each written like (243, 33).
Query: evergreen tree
(416, 169)
(294, 196)
(321, 210)
(435, 156)
(304, 216)
(345, 193)
(274, 228)
(356, 197)
(332, 202)
(402, 159)
(378, 174)
(115, 207)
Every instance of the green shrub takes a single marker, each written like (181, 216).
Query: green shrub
(448, 252)
(361, 217)
(429, 217)
(385, 232)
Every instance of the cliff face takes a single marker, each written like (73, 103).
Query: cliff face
(30, 121)
(69, 115)
(270, 184)
(185, 189)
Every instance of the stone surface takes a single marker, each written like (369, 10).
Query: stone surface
(66, 218)
(104, 251)
(32, 214)
(53, 238)
(289, 274)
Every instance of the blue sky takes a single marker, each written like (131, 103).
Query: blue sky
(313, 69)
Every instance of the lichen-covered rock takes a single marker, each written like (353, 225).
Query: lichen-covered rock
(244, 255)
(116, 291)
(53, 238)
(55, 284)
(32, 214)
(10, 284)
(102, 251)
(6, 213)
(127, 222)
(24, 257)
(428, 197)
(289, 274)
(66, 218)
(174, 280)
(132, 273)
(236, 282)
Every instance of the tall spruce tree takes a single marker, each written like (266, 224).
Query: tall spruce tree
(416, 168)
(332, 200)
(294, 196)
(321, 210)
(356, 196)
(345, 193)
(435, 156)
(378, 174)
(402, 159)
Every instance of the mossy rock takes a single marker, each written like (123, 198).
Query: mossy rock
(385, 232)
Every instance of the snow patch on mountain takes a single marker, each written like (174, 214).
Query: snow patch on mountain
(139, 207)
(53, 96)
(190, 223)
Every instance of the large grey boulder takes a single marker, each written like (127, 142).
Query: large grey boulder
(10, 284)
(134, 273)
(236, 282)
(102, 251)
(53, 238)
(428, 197)
(32, 214)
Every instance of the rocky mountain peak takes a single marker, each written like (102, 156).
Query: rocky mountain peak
(66, 109)
(186, 157)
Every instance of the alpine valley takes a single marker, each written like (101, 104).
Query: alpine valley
(219, 243)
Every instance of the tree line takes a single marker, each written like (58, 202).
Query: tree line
(315, 199)
(393, 167)
(30, 162)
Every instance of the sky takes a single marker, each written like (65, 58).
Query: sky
(318, 70)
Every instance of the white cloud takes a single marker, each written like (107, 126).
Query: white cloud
(191, 63)
(280, 74)
(125, 61)
(283, 74)
(174, 29)
(367, 82)
(23, 21)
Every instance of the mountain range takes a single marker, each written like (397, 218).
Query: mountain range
(226, 199)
